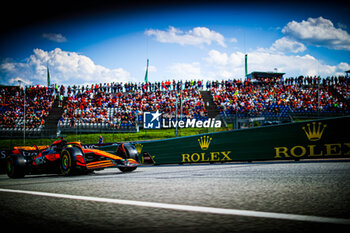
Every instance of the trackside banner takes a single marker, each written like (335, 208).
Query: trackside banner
(327, 138)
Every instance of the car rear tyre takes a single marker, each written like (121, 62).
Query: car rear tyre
(15, 166)
(66, 163)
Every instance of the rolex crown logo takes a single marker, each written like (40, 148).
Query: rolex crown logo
(314, 133)
(204, 142)
(138, 148)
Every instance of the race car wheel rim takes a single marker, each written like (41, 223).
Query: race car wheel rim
(9, 166)
(66, 162)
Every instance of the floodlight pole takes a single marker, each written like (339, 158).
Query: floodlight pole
(246, 64)
(318, 98)
(24, 110)
(176, 115)
(181, 111)
(24, 114)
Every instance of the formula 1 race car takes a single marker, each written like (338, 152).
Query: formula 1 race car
(71, 159)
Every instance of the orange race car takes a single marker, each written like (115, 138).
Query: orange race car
(71, 158)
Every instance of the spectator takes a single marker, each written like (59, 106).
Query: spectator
(100, 140)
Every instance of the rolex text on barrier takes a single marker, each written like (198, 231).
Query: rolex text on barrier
(314, 133)
(215, 156)
(319, 139)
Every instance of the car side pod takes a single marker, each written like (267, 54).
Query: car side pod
(69, 158)
(15, 166)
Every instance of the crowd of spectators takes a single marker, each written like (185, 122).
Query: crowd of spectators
(116, 87)
(269, 97)
(343, 89)
(38, 103)
(125, 104)
(116, 105)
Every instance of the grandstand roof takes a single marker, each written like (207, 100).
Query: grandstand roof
(261, 74)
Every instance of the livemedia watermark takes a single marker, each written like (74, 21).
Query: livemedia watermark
(154, 120)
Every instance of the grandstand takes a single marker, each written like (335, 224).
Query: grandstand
(38, 103)
(108, 109)
(282, 100)
(119, 107)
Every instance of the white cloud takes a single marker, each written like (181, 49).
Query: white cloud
(319, 32)
(151, 68)
(343, 66)
(196, 36)
(65, 68)
(288, 45)
(20, 81)
(223, 65)
(56, 37)
(185, 71)
(233, 40)
(217, 58)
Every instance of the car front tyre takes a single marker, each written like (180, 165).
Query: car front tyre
(127, 169)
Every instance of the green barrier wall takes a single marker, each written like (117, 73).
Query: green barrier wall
(328, 138)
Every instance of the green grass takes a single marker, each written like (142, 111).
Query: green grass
(109, 137)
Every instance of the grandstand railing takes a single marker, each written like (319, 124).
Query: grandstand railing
(269, 118)
(45, 133)
(97, 128)
(32, 133)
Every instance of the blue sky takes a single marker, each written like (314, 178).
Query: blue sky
(185, 42)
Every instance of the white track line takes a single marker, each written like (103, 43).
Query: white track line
(211, 210)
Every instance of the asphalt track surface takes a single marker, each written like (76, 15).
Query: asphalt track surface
(236, 197)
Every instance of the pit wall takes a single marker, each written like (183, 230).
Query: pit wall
(319, 139)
